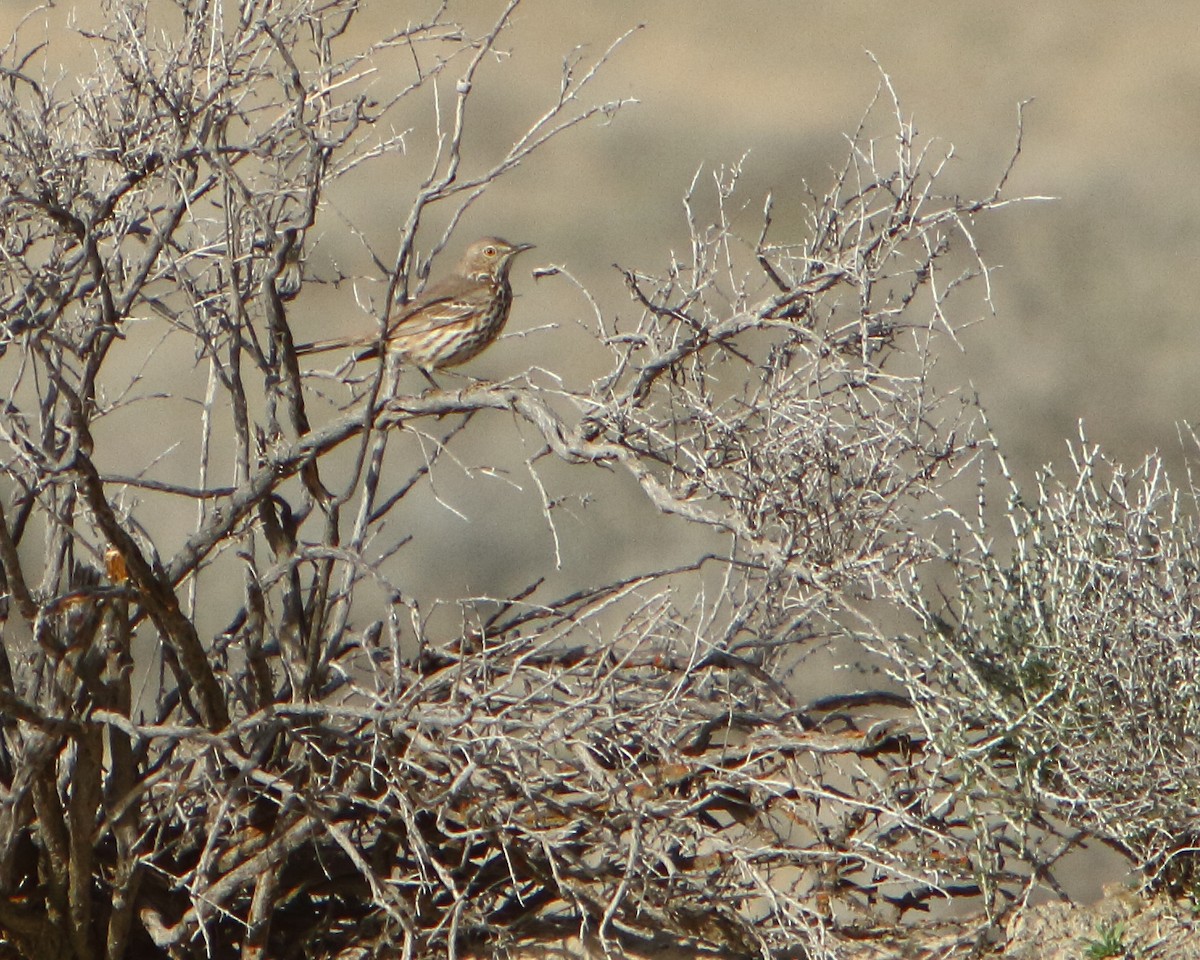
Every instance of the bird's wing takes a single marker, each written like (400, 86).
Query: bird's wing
(432, 313)
(441, 305)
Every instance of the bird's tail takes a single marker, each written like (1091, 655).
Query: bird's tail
(339, 343)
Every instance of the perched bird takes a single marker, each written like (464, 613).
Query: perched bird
(452, 321)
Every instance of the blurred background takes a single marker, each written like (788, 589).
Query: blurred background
(1095, 293)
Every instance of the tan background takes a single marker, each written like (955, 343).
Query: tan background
(1097, 294)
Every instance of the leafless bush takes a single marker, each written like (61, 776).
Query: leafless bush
(248, 740)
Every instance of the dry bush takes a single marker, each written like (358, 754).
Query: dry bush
(246, 739)
(1076, 652)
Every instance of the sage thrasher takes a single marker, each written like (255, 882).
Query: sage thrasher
(452, 321)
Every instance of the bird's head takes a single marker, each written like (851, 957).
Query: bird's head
(490, 257)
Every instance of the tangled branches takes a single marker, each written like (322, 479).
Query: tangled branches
(244, 734)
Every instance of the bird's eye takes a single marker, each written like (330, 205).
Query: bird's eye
(489, 251)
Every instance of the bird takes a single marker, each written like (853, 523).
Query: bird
(452, 321)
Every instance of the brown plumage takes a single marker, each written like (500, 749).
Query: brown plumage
(453, 320)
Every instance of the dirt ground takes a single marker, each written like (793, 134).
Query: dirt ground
(1146, 929)
(1124, 925)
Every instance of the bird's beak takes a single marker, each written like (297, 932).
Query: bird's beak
(521, 247)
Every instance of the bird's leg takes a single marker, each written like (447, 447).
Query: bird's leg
(428, 375)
